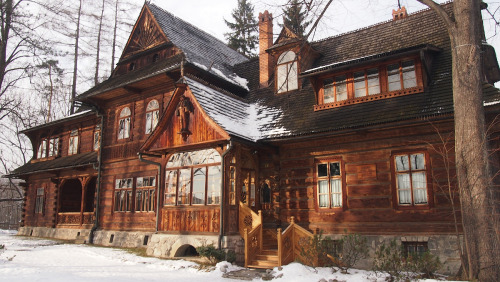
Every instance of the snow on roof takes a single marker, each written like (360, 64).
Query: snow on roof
(250, 121)
(233, 78)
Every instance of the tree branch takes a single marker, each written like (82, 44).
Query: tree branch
(450, 23)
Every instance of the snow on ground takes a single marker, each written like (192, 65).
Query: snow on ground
(32, 259)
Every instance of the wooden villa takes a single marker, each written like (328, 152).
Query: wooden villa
(190, 143)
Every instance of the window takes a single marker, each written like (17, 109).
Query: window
(287, 75)
(124, 123)
(248, 187)
(42, 149)
(330, 186)
(73, 142)
(145, 193)
(97, 137)
(232, 184)
(152, 115)
(40, 195)
(411, 179)
(193, 178)
(54, 147)
(414, 248)
(123, 194)
(401, 75)
(374, 83)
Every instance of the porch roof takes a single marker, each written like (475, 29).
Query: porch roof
(78, 160)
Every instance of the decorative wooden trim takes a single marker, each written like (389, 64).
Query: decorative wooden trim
(381, 96)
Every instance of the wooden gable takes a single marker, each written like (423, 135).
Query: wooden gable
(145, 35)
(184, 125)
(287, 35)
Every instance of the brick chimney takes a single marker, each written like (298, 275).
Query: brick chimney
(399, 13)
(265, 41)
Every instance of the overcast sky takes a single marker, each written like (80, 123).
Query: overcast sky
(342, 15)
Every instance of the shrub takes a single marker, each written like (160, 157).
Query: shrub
(353, 247)
(343, 253)
(391, 259)
(216, 255)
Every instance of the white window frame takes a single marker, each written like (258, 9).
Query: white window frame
(287, 77)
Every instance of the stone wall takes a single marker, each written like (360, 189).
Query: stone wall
(56, 233)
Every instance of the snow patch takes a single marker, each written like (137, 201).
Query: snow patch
(233, 78)
(491, 103)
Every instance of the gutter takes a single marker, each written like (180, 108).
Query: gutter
(98, 188)
(141, 158)
(221, 225)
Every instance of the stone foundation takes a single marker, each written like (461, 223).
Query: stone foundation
(122, 239)
(443, 246)
(170, 245)
(56, 233)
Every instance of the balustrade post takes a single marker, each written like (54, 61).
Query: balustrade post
(280, 247)
(245, 237)
(261, 231)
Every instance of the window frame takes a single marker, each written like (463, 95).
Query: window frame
(151, 123)
(74, 134)
(428, 178)
(176, 170)
(123, 207)
(317, 179)
(39, 201)
(382, 83)
(96, 145)
(289, 65)
(130, 122)
(149, 191)
(42, 151)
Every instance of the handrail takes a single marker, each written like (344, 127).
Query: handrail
(248, 218)
(250, 227)
(288, 242)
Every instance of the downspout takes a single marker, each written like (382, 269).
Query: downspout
(98, 188)
(157, 184)
(221, 228)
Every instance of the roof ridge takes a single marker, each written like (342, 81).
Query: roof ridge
(377, 24)
(190, 24)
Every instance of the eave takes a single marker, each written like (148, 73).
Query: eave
(338, 66)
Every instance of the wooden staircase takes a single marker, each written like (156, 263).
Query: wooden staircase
(268, 248)
(268, 256)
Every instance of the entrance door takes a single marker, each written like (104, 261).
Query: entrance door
(248, 188)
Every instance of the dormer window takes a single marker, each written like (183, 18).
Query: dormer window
(42, 149)
(286, 75)
(387, 80)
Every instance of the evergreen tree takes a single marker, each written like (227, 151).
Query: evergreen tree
(243, 37)
(294, 18)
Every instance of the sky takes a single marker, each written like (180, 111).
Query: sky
(342, 15)
(34, 259)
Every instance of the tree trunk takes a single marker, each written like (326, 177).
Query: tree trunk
(471, 145)
(96, 77)
(114, 38)
(75, 62)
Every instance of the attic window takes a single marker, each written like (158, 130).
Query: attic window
(156, 57)
(131, 67)
(286, 75)
(391, 79)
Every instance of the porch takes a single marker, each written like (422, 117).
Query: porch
(76, 203)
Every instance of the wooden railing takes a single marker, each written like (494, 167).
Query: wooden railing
(75, 218)
(250, 227)
(289, 248)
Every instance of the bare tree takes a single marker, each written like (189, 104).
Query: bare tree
(98, 45)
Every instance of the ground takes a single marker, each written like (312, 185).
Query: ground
(32, 259)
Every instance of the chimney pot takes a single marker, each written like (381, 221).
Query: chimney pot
(399, 13)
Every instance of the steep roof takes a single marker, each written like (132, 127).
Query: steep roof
(200, 48)
(296, 108)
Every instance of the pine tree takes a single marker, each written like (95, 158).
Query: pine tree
(294, 18)
(243, 37)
